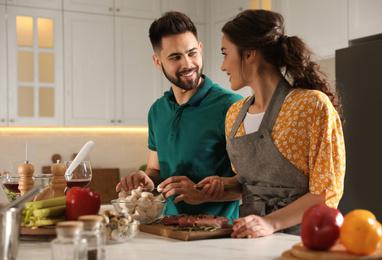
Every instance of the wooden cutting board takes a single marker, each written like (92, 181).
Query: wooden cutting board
(168, 231)
(45, 233)
(337, 252)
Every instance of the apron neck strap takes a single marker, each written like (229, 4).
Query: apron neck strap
(271, 112)
(274, 106)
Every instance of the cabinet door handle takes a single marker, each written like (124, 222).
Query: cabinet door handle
(118, 9)
(12, 120)
(112, 121)
(110, 9)
(119, 121)
(2, 120)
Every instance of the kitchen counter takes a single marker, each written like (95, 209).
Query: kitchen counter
(149, 246)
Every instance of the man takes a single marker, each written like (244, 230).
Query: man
(186, 125)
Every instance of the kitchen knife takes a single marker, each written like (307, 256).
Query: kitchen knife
(231, 187)
(80, 157)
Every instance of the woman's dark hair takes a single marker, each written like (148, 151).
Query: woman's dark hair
(171, 23)
(263, 31)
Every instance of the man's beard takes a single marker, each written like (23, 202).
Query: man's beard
(188, 84)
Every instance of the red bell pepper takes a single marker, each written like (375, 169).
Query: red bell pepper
(320, 227)
(81, 201)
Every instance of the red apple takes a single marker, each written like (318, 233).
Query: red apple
(321, 227)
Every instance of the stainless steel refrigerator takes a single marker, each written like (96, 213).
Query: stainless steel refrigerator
(358, 76)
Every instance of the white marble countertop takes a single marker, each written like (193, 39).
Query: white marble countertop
(149, 246)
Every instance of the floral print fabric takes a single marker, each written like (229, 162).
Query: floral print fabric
(308, 132)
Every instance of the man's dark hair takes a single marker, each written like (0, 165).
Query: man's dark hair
(171, 23)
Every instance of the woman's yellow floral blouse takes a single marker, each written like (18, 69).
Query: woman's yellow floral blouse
(308, 132)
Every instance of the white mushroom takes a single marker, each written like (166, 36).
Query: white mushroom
(152, 213)
(122, 194)
(116, 235)
(123, 224)
(141, 212)
(105, 219)
(158, 198)
(137, 191)
(146, 194)
(132, 198)
(136, 216)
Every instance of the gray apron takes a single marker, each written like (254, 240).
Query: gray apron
(269, 181)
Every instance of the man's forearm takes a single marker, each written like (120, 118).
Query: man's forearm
(154, 175)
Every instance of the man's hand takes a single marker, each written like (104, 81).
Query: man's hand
(134, 180)
(184, 188)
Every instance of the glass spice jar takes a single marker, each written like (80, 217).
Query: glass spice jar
(69, 243)
(95, 236)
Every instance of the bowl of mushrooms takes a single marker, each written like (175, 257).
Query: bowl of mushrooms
(142, 204)
(118, 227)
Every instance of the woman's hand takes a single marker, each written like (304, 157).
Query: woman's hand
(213, 189)
(252, 226)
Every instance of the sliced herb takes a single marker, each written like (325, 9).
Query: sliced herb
(194, 228)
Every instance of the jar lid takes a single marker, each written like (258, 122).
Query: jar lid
(90, 221)
(69, 228)
(90, 218)
(70, 224)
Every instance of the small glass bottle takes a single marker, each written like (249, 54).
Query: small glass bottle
(69, 243)
(95, 236)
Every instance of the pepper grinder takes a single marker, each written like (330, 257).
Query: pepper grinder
(57, 189)
(58, 179)
(26, 182)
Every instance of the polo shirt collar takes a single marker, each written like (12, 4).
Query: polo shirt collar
(199, 94)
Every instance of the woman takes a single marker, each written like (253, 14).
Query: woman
(285, 142)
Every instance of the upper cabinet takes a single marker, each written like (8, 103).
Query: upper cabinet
(3, 69)
(365, 18)
(138, 81)
(45, 4)
(221, 12)
(89, 69)
(110, 78)
(35, 71)
(321, 24)
(140, 9)
(195, 9)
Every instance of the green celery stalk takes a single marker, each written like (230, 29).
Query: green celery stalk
(47, 222)
(49, 212)
(59, 201)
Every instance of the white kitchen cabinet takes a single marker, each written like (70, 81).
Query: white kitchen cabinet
(90, 6)
(138, 82)
(48, 4)
(110, 77)
(3, 69)
(221, 12)
(35, 67)
(141, 8)
(149, 9)
(2, 2)
(89, 69)
(321, 24)
(196, 9)
(364, 18)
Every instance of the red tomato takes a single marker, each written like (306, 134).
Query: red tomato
(320, 227)
(80, 202)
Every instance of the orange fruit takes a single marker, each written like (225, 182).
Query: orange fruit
(361, 233)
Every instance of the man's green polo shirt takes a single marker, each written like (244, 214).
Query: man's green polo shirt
(190, 141)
